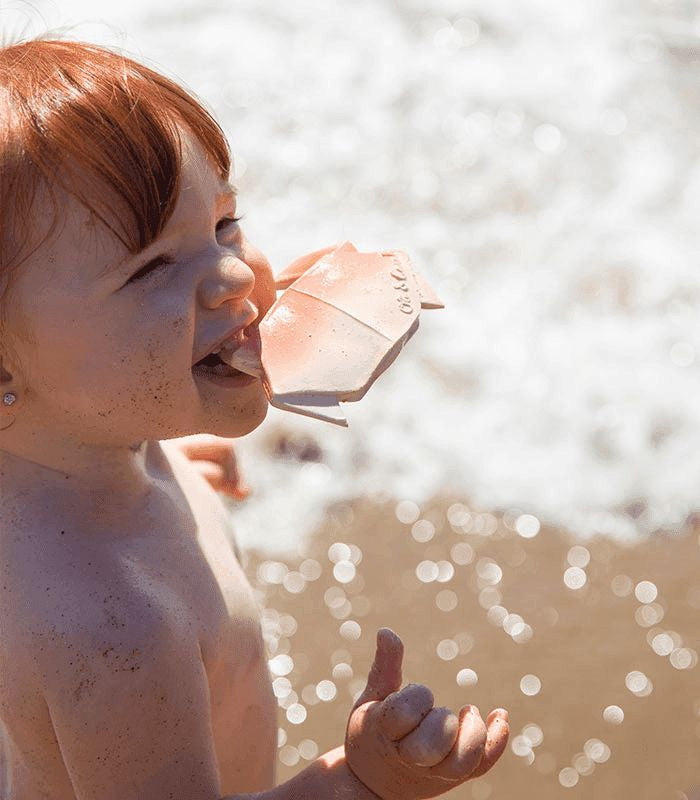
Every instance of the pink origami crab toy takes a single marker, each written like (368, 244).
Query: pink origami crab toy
(341, 320)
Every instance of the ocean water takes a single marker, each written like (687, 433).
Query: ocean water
(539, 162)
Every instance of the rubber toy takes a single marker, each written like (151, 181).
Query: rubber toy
(341, 320)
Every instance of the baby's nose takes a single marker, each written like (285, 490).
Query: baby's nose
(229, 279)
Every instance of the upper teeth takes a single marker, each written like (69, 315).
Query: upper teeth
(231, 342)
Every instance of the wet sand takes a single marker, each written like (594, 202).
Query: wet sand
(589, 648)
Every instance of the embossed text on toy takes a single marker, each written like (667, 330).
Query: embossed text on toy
(403, 297)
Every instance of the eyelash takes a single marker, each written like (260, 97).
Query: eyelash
(167, 259)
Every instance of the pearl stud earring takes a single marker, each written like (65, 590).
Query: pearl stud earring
(9, 398)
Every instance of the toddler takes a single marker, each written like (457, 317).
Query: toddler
(132, 665)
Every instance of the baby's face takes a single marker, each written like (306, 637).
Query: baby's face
(115, 343)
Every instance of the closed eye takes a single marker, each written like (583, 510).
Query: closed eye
(227, 220)
(169, 258)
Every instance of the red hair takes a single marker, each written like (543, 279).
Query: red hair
(70, 109)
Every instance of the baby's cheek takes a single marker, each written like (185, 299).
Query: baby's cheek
(158, 385)
(142, 377)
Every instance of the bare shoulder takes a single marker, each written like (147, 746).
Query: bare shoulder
(61, 581)
(121, 674)
(67, 617)
(55, 596)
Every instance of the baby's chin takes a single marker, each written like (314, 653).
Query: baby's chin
(242, 419)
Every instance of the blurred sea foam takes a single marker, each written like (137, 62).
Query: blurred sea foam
(539, 161)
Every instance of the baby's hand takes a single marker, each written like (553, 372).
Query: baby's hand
(402, 748)
(215, 459)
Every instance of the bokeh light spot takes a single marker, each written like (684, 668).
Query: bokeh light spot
(575, 578)
(645, 592)
(467, 677)
(344, 571)
(350, 630)
(621, 585)
(446, 600)
(296, 713)
(527, 526)
(462, 553)
(407, 512)
(423, 530)
(568, 777)
(613, 714)
(326, 690)
(447, 649)
(530, 685)
(578, 556)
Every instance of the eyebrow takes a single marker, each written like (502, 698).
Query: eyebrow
(229, 189)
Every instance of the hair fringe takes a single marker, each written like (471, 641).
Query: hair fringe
(99, 125)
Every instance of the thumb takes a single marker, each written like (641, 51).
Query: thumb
(385, 673)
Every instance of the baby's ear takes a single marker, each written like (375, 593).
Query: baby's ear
(299, 266)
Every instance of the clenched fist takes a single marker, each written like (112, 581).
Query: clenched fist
(402, 748)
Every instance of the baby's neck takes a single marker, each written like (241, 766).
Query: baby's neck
(107, 483)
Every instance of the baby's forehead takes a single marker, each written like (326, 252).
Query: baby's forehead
(62, 224)
(81, 206)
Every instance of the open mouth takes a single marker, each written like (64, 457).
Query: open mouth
(213, 365)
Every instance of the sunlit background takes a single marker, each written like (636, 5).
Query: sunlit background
(515, 495)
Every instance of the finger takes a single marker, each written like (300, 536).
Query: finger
(403, 711)
(385, 673)
(205, 446)
(468, 751)
(432, 740)
(206, 449)
(233, 475)
(498, 731)
(213, 473)
(241, 491)
(217, 478)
